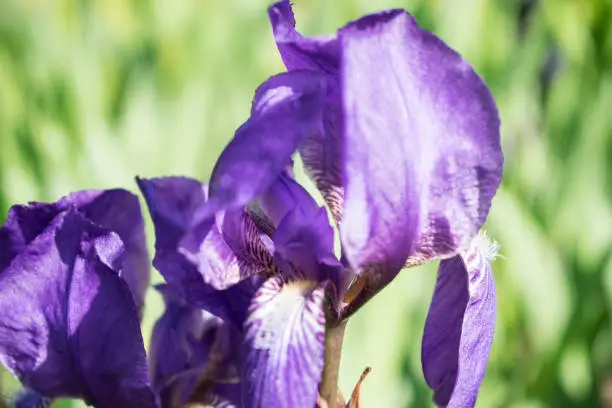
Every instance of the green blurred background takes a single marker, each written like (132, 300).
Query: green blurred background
(93, 93)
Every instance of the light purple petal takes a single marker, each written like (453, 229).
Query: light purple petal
(286, 109)
(231, 250)
(459, 328)
(285, 345)
(69, 325)
(423, 157)
(322, 152)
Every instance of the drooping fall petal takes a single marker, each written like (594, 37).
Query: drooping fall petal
(69, 323)
(285, 345)
(460, 325)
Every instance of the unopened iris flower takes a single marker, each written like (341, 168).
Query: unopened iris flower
(401, 138)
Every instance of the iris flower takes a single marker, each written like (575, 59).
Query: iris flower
(401, 138)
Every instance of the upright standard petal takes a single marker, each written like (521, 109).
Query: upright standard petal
(285, 345)
(231, 250)
(460, 325)
(423, 156)
(286, 109)
(75, 331)
(322, 152)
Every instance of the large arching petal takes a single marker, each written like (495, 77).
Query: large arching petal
(422, 152)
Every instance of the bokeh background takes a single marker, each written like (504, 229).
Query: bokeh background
(94, 92)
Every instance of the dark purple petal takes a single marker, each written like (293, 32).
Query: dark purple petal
(423, 157)
(285, 345)
(186, 343)
(460, 325)
(322, 152)
(119, 211)
(286, 109)
(284, 196)
(116, 210)
(231, 250)
(31, 399)
(69, 324)
(181, 339)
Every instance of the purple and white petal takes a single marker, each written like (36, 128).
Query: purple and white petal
(285, 345)
(69, 323)
(322, 152)
(460, 326)
(423, 157)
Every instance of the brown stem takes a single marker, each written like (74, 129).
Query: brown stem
(334, 335)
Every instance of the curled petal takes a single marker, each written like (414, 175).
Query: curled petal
(322, 152)
(286, 109)
(459, 327)
(285, 345)
(76, 331)
(119, 211)
(231, 250)
(423, 157)
(116, 210)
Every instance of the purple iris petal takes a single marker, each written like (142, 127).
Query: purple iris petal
(285, 345)
(116, 210)
(69, 324)
(459, 328)
(184, 346)
(284, 196)
(423, 158)
(231, 251)
(322, 152)
(286, 109)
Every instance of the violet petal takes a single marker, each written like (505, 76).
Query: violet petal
(286, 109)
(460, 326)
(423, 157)
(322, 152)
(75, 331)
(230, 251)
